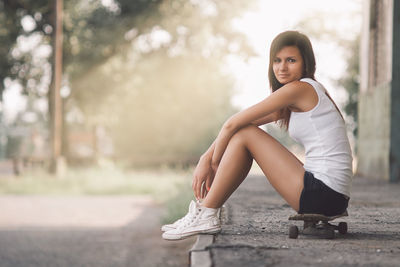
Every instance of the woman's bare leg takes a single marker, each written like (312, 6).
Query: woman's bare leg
(283, 170)
(232, 170)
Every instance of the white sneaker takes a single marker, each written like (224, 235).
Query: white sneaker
(192, 210)
(203, 221)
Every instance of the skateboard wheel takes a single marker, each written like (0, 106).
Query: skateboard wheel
(342, 227)
(293, 232)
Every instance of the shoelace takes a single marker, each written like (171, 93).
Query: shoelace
(188, 216)
(190, 219)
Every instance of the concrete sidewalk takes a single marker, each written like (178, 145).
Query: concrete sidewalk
(255, 230)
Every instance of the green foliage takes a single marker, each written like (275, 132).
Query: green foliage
(177, 205)
(151, 71)
(166, 94)
(165, 110)
(19, 65)
(160, 184)
(351, 81)
(93, 32)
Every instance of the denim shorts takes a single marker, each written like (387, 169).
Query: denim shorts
(318, 198)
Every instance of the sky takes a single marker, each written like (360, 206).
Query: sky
(267, 19)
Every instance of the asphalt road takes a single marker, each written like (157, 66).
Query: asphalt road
(85, 231)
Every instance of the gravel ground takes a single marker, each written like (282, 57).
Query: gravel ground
(255, 229)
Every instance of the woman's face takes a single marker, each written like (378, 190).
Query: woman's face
(288, 65)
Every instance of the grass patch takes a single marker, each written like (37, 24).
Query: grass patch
(177, 206)
(95, 181)
(168, 187)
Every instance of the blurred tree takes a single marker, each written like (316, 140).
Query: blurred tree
(351, 81)
(90, 35)
(166, 95)
(27, 45)
(95, 30)
(150, 70)
(20, 20)
(25, 53)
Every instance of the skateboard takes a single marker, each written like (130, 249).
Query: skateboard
(317, 225)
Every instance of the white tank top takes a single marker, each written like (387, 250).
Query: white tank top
(322, 132)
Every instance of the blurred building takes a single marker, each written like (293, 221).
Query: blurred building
(379, 102)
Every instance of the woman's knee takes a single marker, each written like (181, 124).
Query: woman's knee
(244, 134)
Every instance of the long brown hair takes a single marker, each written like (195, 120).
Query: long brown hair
(301, 41)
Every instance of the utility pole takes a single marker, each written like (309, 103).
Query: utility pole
(57, 164)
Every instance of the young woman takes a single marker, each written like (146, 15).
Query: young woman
(305, 109)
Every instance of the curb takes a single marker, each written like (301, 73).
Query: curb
(199, 254)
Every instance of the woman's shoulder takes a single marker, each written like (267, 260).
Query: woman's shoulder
(298, 86)
(310, 81)
(314, 83)
(307, 95)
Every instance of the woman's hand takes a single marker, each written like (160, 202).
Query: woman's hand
(203, 177)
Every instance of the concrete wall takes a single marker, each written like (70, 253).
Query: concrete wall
(374, 133)
(379, 109)
(395, 98)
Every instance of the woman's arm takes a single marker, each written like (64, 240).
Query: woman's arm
(267, 119)
(205, 174)
(287, 95)
(208, 154)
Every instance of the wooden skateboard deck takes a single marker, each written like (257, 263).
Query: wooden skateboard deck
(316, 217)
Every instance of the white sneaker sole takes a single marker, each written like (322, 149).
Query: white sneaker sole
(168, 236)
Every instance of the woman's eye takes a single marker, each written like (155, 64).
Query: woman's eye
(277, 60)
(291, 60)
